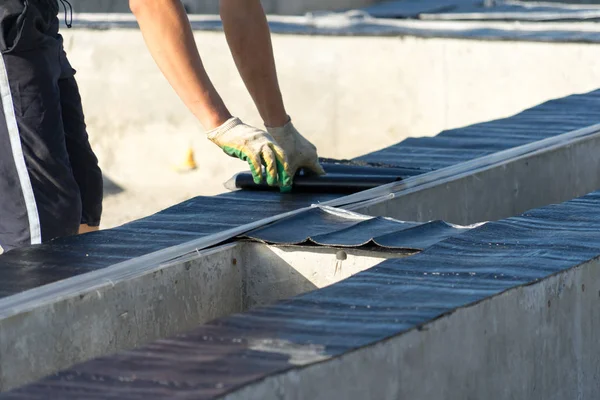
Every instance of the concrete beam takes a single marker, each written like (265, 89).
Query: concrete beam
(160, 301)
(532, 342)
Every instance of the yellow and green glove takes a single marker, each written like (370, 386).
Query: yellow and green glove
(254, 146)
(299, 151)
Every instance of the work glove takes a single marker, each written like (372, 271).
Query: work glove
(254, 146)
(299, 151)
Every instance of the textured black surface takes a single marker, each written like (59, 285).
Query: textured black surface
(330, 183)
(341, 177)
(30, 267)
(326, 227)
(385, 301)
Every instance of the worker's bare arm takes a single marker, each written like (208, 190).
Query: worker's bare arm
(249, 39)
(169, 38)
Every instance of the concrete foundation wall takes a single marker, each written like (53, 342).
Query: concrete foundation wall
(532, 342)
(349, 95)
(161, 302)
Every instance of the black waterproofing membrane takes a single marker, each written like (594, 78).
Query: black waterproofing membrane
(385, 301)
(477, 10)
(338, 228)
(30, 267)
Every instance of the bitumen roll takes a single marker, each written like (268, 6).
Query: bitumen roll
(341, 177)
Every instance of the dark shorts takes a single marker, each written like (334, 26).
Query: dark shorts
(50, 182)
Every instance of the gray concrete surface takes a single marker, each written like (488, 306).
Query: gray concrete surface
(550, 328)
(212, 6)
(277, 273)
(349, 95)
(163, 301)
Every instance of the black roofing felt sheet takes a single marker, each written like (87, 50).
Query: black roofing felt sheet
(30, 267)
(387, 300)
(342, 178)
(338, 228)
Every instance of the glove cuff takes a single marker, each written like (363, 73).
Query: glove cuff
(280, 130)
(228, 125)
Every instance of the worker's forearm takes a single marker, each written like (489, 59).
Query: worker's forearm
(249, 39)
(169, 38)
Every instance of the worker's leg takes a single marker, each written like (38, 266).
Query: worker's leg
(39, 198)
(83, 160)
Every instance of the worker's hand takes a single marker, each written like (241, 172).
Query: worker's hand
(299, 151)
(254, 146)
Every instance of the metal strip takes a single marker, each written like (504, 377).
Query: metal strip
(17, 150)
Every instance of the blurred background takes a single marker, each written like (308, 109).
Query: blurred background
(287, 7)
(351, 84)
